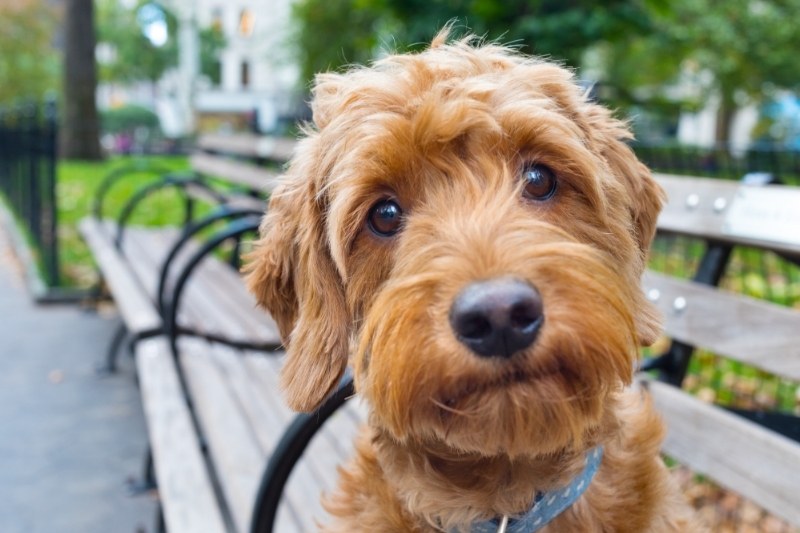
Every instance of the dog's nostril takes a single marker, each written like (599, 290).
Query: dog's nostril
(498, 317)
(524, 314)
(474, 326)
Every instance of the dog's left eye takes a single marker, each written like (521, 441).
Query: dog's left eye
(540, 182)
(385, 218)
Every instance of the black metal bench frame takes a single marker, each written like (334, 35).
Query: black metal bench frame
(241, 221)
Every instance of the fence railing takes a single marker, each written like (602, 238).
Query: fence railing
(721, 162)
(28, 177)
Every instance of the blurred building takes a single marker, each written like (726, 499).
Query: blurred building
(256, 81)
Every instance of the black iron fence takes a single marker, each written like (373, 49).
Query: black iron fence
(721, 162)
(28, 177)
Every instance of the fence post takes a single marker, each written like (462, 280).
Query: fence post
(49, 147)
(28, 177)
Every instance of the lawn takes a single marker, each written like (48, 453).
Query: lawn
(77, 183)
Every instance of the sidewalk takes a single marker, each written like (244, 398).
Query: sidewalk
(69, 439)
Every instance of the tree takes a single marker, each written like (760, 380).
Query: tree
(737, 51)
(28, 62)
(80, 123)
(132, 54)
(561, 29)
(212, 42)
(318, 38)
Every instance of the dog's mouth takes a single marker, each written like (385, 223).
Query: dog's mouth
(471, 389)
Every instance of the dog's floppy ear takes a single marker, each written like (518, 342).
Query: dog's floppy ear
(293, 276)
(645, 198)
(646, 195)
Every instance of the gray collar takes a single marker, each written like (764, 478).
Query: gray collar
(547, 505)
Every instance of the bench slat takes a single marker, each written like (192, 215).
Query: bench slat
(238, 461)
(279, 149)
(691, 211)
(757, 463)
(302, 493)
(246, 174)
(215, 301)
(183, 482)
(759, 333)
(136, 310)
(235, 200)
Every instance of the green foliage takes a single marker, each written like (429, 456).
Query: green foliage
(133, 57)
(561, 29)
(329, 34)
(127, 118)
(29, 66)
(739, 51)
(212, 41)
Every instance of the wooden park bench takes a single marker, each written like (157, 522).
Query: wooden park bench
(206, 357)
(229, 456)
(138, 263)
(171, 282)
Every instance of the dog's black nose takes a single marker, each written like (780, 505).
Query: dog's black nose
(498, 317)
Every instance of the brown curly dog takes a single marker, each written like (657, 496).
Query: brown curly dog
(467, 231)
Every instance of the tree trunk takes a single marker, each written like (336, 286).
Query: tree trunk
(80, 131)
(725, 115)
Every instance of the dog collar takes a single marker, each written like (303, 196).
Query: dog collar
(546, 505)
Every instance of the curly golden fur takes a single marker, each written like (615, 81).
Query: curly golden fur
(453, 437)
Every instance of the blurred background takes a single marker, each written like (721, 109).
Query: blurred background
(710, 88)
(86, 87)
(695, 72)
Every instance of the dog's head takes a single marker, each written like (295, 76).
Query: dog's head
(468, 231)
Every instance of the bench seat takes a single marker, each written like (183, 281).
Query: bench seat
(236, 402)
(216, 301)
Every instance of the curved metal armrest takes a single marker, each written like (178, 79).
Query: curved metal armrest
(289, 450)
(224, 212)
(235, 229)
(118, 175)
(169, 181)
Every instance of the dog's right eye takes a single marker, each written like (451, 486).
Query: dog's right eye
(385, 218)
(540, 182)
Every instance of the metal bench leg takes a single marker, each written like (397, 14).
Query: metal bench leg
(110, 366)
(148, 481)
(160, 526)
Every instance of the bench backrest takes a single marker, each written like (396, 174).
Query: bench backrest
(250, 161)
(746, 457)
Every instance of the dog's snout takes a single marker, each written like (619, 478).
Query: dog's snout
(498, 317)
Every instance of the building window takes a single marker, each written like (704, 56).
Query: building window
(245, 74)
(246, 23)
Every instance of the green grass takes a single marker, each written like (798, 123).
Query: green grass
(77, 183)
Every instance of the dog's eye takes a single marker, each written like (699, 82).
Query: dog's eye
(540, 182)
(385, 218)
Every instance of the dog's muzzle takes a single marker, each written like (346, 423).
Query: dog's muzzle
(498, 317)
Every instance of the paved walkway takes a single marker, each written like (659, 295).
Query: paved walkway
(70, 441)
